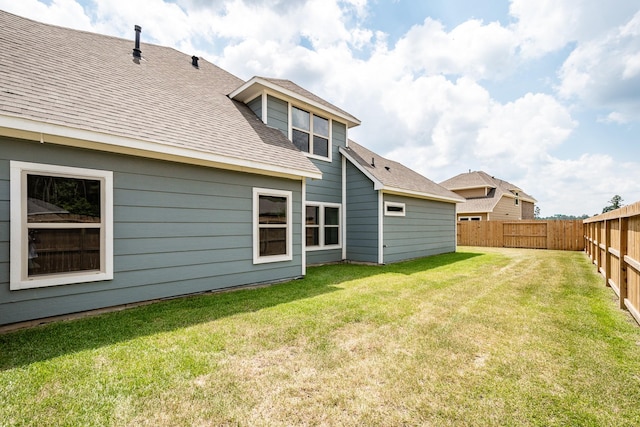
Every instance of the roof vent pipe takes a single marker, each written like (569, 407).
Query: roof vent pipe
(373, 162)
(194, 61)
(137, 53)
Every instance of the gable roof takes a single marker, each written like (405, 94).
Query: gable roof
(85, 89)
(256, 85)
(496, 189)
(394, 177)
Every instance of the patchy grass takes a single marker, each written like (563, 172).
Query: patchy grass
(480, 337)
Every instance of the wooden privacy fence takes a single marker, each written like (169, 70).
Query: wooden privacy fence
(536, 234)
(612, 241)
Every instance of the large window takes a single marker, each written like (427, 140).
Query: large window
(310, 133)
(61, 225)
(322, 225)
(272, 233)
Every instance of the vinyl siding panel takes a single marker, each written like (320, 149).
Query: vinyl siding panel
(256, 106)
(428, 228)
(472, 192)
(328, 189)
(528, 210)
(505, 210)
(278, 114)
(362, 217)
(178, 229)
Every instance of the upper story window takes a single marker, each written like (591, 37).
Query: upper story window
(310, 133)
(61, 225)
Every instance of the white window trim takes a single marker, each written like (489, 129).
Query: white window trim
(387, 205)
(19, 228)
(470, 218)
(311, 114)
(321, 226)
(257, 192)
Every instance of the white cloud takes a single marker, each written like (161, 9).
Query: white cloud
(582, 185)
(605, 73)
(67, 13)
(545, 26)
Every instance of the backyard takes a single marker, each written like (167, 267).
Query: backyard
(480, 337)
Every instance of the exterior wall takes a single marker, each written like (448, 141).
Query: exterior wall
(482, 215)
(328, 189)
(428, 228)
(178, 229)
(505, 210)
(473, 192)
(528, 210)
(278, 114)
(362, 217)
(256, 106)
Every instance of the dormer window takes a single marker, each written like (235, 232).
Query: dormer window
(310, 133)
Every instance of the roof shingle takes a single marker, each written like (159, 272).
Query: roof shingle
(394, 175)
(91, 82)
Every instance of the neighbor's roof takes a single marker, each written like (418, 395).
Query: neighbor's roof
(496, 189)
(394, 177)
(256, 85)
(61, 85)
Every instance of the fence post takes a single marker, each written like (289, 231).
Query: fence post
(624, 222)
(607, 254)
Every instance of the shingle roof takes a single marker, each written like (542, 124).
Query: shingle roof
(395, 176)
(480, 179)
(90, 82)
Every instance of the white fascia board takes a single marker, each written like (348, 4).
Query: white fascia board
(471, 187)
(262, 83)
(421, 195)
(377, 185)
(63, 135)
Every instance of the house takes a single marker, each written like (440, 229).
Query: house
(489, 198)
(132, 172)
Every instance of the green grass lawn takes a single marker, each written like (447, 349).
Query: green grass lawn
(477, 338)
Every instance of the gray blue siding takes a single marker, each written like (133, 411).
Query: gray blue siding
(428, 228)
(328, 189)
(178, 229)
(362, 217)
(278, 114)
(256, 106)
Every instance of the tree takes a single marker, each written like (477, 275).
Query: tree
(614, 203)
(536, 212)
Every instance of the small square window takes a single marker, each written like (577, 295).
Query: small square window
(394, 209)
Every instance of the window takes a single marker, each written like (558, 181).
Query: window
(61, 225)
(517, 199)
(322, 225)
(394, 209)
(310, 133)
(469, 218)
(272, 235)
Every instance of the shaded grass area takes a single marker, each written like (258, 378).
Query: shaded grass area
(480, 337)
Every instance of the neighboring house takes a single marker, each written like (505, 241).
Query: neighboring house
(131, 172)
(489, 198)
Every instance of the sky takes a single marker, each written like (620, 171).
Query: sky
(544, 94)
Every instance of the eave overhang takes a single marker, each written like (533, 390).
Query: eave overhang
(21, 128)
(257, 85)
